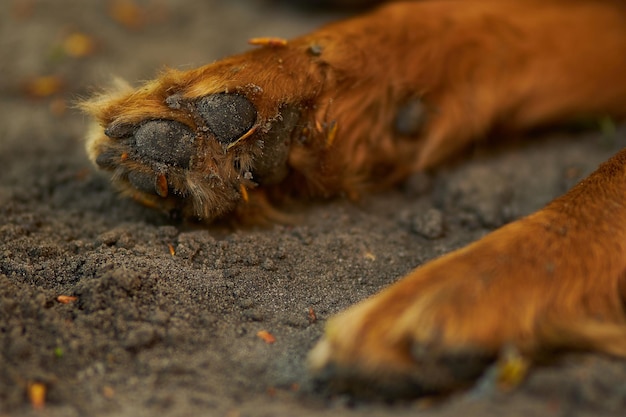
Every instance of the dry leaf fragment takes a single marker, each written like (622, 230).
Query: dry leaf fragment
(266, 336)
(108, 392)
(268, 41)
(127, 13)
(370, 256)
(58, 107)
(43, 86)
(66, 299)
(512, 368)
(78, 45)
(22, 9)
(37, 395)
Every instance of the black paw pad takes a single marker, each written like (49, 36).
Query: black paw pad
(142, 181)
(166, 141)
(108, 159)
(149, 183)
(228, 116)
(411, 117)
(457, 368)
(120, 131)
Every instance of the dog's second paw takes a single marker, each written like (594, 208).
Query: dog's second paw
(551, 281)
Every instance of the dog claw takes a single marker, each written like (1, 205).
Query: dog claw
(161, 186)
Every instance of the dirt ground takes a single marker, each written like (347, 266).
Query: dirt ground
(166, 316)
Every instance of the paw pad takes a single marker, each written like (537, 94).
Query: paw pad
(108, 159)
(166, 141)
(180, 158)
(143, 181)
(411, 117)
(227, 116)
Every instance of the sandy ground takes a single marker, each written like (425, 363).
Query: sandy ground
(156, 333)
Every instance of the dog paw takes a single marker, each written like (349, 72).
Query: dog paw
(551, 281)
(317, 115)
(202, 143)
(427, 334)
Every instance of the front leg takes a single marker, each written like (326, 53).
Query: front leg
(551, 281)
(356, 105)
(313, 116)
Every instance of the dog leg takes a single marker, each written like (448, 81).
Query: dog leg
(357, 105)
(553, 280)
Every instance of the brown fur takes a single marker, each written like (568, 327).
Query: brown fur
(554, 279)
